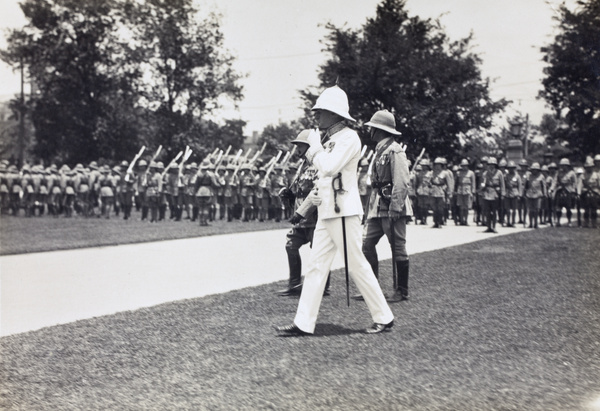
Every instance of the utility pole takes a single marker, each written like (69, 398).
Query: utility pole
(22, 119)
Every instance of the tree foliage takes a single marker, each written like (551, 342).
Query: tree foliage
(572, 82)
(110, 75)
(407, 65)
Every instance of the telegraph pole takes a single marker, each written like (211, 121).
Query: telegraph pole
(22, 119)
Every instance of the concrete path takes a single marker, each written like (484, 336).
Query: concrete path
(45, 289)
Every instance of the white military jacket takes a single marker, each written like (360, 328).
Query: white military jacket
(340, 154)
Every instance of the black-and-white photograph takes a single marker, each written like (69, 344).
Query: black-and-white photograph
(300, 205)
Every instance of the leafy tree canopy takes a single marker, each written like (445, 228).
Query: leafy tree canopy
(572, 82)
(110, 75)
(409, 66)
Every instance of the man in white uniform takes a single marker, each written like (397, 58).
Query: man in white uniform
(340, 212)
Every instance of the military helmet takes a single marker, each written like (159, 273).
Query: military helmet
(160, 165)
(535, 166)
(302, 137)
(564, 162)
(523, 163)
(485, 159)
(464, 162)
(142, 163)
(493, 161)
(589, 162)
(124, 163)
(334, 99)
(425, 163)
(438, 160)
(597, 157)
(552, 165)
(93, 165)
(205, 165)
(579, 170)
(511, 164)
(418, 167)
(502, 163)
(544, 167)
(153, 164)
(384, 120)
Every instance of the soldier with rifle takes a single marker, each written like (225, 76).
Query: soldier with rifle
(492, 190)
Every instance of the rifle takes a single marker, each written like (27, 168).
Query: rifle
(417, 160)
(220, 161)
(172, 162)
(132, 164)
(242, 162)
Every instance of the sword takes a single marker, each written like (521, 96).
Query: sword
(346, 260)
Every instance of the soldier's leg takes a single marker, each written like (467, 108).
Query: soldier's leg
(296, 238)
(371, 236)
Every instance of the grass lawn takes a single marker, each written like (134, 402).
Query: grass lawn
(27, 235)
(511, 323)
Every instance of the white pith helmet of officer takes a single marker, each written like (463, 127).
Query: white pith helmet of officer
(384, 120)
(334, 99)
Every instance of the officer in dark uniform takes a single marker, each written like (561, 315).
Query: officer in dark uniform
(303, 220)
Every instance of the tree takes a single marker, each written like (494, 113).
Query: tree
(111, 75)
(190, 70)
(408, 65)
(572, 82)
(278, 137)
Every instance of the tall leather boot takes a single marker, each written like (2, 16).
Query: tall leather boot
(295, 281)
(401, 293)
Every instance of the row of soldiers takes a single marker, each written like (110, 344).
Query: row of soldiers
(202, 192)
(502, 191)
(231, 188)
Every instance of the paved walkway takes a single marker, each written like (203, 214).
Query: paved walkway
(45, 289)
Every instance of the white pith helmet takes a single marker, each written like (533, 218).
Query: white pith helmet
(384, 120)
(334, 99)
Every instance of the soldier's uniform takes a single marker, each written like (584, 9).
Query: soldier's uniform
(535, 190)
(439, 192)
(127, 190)
(4, 191)
(389, 204)
(564, 189)
(247, 188)
(83, 192)
(522, 203)
(363, 186)
(492, 190)
(106, 193)
(141, 184)
(278, 182)
(465, 190)
(230, 191)
(172, 191)
(69, 193)
(514, 188)
(262, 194)
(423, 187)
(205, 185)
(589, 192)
(152, 185)
(220, 192)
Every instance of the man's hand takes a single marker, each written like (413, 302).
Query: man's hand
(296, 218)
(314, 197)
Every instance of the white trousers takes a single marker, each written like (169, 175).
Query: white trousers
(327, 240)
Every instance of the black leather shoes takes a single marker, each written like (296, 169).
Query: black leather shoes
(291, 329)
(292, 291)
(378, 328)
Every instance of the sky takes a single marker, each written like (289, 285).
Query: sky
(278, 46)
